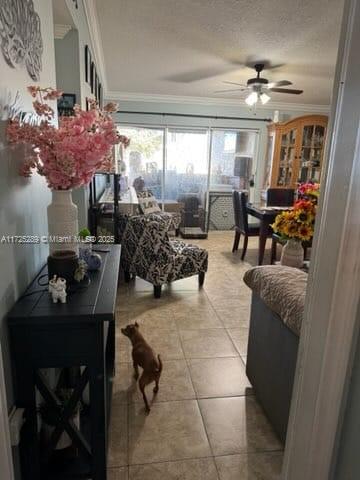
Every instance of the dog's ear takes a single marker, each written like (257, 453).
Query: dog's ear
(136, 325)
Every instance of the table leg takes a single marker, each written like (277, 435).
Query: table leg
(263, 234)
(30, 440)
(98, 411)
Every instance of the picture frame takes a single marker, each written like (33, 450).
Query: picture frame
(96, 86)
(92, 76)
(66, 104)
(100, 94)
(87, 64)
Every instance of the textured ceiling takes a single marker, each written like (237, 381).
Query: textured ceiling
(157, 46)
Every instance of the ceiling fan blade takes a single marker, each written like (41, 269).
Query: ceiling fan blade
(286, 90)
(230, 90)
(234, 83)
(204, 73)
(280, 83)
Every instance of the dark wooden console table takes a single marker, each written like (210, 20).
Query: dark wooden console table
(80, 333)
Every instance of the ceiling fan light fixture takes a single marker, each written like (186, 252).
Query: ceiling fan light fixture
(251, 99)
(264, 98)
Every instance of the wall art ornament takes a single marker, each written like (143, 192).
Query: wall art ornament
(20, 36)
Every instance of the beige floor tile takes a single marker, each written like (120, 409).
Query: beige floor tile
(234, 316)
(172, 431)
(207, 343)
(197, 320)
(243, 358)
(175, 384)
(196, 469)
(253, 466)
(237, 425)
(118, 473)
(188, 284)
(154, 319)
(122, 347)
(219, 377)
(122, 382)
(164, 342)
(118, 436)
(240, 338)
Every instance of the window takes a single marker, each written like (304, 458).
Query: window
(144, 157)
(186, 164)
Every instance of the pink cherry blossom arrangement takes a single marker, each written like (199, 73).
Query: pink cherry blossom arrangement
(68, 156)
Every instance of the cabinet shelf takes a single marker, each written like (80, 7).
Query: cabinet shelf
(290, 146)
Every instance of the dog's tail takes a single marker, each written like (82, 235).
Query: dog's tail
(160, 364)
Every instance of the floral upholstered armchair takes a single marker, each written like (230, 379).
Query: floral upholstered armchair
(148, 204)
(147, 252)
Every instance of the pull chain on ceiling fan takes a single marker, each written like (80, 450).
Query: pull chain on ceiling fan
(258, 86)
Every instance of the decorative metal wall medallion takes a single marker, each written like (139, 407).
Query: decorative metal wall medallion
(20, 36)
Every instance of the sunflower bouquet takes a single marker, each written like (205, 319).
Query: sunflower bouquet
(309, 191)
(298, 223)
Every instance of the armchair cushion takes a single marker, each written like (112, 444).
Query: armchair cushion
(147, 202)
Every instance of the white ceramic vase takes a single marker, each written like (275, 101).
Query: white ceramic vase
(63, 221)
(292, 254)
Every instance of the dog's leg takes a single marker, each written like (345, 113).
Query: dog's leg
(136, 371)
(156, 388)
(142, 384)
(136, 367)
(157, 375)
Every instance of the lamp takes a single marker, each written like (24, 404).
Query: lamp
(252, 98)
(264, 98)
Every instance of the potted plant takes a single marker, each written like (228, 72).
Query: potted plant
(67, 155)
(295, 226)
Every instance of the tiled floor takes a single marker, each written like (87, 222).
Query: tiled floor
(205, 422)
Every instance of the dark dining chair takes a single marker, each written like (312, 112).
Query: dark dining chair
(241, 222)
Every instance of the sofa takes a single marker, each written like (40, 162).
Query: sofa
(277, 306)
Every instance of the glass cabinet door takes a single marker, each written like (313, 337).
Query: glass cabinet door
(312, 145)
(287, 158)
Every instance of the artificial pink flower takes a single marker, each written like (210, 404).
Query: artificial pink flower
(67, 156)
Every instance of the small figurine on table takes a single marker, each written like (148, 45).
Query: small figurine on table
(57, 288)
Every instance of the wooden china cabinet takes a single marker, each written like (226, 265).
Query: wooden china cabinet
(295, 151)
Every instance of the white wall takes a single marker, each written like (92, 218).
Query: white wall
(23, 201)
(68, 64)
(85, 37)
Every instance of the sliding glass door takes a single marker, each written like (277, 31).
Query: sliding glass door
(186, 176)
(232, 154)
(192, 170)
(231, 165)
(145, 157)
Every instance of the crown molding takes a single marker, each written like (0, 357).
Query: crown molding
(224, 102)
(61, 30)
(95, 36)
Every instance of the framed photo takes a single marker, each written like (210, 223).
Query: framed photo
(100, 99)
(92, 76)
(87, 64)
(96, 86)
(66, 104)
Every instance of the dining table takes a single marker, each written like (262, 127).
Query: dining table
(266, 215)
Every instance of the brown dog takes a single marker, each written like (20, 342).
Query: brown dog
(144, 356)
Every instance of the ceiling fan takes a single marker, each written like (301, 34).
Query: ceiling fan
(258, 86)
